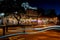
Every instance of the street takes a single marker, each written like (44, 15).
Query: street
(46, 35)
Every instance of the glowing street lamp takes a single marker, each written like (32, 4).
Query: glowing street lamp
(16, 12)
(2, 14)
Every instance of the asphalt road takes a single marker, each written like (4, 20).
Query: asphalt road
(46, 35)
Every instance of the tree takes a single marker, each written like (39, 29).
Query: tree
(8, 6)
(58, 23)
(51, 13)
(41, 12)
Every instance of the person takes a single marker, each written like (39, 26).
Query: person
(15, 22)
(5, 21)
(1, 21)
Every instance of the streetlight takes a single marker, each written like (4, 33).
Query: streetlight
(16, 12)
(2, 14)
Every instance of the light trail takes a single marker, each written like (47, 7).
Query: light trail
(37, 29)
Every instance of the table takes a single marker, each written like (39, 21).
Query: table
(3, 27)
(22, 26)
(7, 26)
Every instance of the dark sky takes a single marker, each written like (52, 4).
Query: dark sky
(47, 4)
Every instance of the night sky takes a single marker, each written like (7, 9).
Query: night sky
(47, 4)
